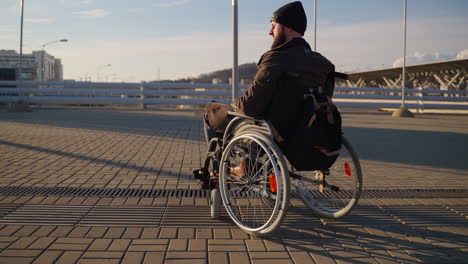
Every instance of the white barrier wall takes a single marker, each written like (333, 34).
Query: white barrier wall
(44, 93)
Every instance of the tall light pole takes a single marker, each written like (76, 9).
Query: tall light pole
(403, 111)
(20, 72)
(20, 105)
(315, 25)
(235, 37)
(43, 57)
(403, 77)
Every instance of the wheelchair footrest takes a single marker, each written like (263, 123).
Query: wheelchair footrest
(203, 176)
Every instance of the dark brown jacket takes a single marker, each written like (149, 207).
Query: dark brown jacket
(276, 93)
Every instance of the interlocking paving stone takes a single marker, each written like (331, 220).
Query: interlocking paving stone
(218, 257)
(100, 244)
(114, 232)
(99, 261)
(132, 232)
(255, 245)
(197, 245)
(16, 260)
(26, 230)
(239, 257)
(23, 242)
(9, 230)
(47, 257)
(222, 233)
(20, 253)
(133, 257)
(186, 232)
(102, 254)
(178, 245)
(119, 245)
(168, 232)
(270, 257)
(149, 245)
(150, 232)
(69, 257)
(183, 257)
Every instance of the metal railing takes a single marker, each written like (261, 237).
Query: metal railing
(177, 94)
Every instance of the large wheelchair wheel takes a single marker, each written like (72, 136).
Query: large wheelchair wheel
(333, 193)
(254, 183)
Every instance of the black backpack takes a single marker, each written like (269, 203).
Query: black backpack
(315, 142)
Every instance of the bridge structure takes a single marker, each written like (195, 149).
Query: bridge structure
(447, 75)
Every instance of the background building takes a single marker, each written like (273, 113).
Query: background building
(38, 66)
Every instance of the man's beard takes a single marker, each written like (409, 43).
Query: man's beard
(281, 39)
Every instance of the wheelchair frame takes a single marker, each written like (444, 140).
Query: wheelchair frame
(240, 131)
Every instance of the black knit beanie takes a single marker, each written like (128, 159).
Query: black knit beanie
(291, 15)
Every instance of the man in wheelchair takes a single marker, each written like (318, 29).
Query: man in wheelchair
(285, 73)
(286, 110)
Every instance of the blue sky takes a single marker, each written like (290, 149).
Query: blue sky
(185, 38)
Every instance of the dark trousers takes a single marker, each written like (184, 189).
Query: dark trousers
(216, 120)
(209, 131)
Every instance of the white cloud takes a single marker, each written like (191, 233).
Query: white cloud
(93, 13)
(424, 58)
(39, 20)
(171, 3)
(421, 58)
(462, 55)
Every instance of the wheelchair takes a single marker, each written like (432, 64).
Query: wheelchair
(246, 171)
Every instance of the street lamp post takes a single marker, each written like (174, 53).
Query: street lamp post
(235, 46)
(43, 57)
(20, 105)
(315, 25)
(20, 72)
(403, 111)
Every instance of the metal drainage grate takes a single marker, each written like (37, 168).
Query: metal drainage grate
(102, 192)
(402, 193)
(192, 193)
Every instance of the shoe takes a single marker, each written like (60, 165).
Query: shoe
(239, 170)
(203, 176)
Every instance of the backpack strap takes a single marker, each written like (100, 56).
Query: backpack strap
(329, 110)
(277, 135)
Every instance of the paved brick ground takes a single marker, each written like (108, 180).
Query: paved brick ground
(156, 150)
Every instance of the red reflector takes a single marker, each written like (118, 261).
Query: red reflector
(347, 170)
(273, 182)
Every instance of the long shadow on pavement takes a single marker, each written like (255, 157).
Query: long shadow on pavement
(119, 121)
(370, 232)
(426, 148)
(92, 159)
